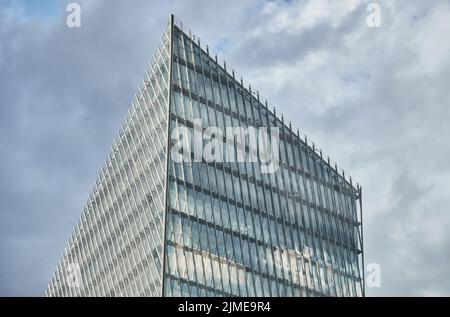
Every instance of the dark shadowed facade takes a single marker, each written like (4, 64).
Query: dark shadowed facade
(154, 226)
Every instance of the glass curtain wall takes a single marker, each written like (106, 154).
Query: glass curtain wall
(117, 246)
(156, 227)
(234, 231)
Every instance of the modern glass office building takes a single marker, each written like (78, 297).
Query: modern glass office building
(155, 225)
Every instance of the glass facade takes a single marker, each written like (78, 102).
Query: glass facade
(211, 228)
(117, 245)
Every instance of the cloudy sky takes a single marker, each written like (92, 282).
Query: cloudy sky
(377, 100)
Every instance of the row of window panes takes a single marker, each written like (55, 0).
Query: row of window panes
(237, 218)
(321, 171)
(206, 176)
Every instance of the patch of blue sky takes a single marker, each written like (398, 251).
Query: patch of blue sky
(222, 46)
(35, 9)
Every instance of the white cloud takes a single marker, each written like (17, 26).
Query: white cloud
(296, 16)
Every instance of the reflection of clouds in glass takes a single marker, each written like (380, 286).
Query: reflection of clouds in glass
(57, 86)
